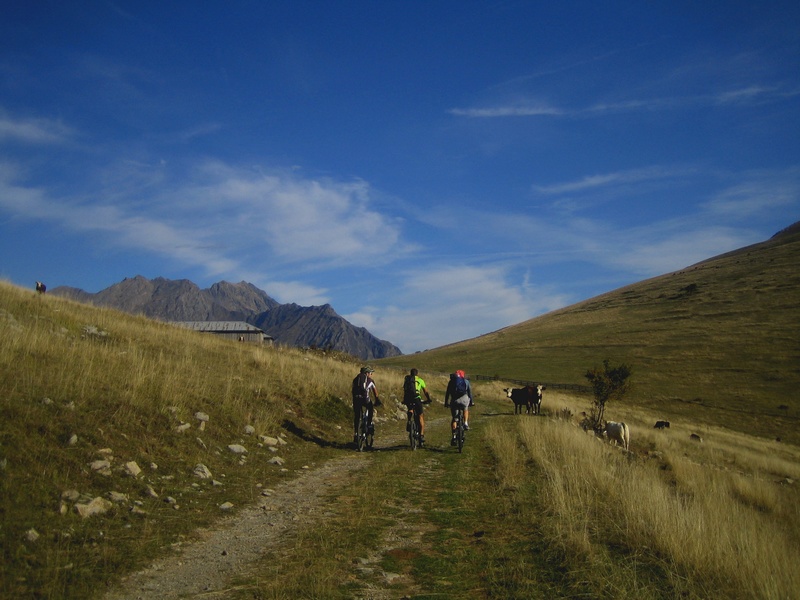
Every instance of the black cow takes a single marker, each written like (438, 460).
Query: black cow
(529, 397)
(40, 287)
(661, 425)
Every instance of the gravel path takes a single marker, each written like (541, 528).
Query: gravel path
(207, 566)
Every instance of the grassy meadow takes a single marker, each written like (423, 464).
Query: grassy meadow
(534, 508)
(718, 342)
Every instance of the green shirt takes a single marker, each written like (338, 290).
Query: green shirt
(419, 384)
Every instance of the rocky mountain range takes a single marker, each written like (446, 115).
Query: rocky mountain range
(288, 324)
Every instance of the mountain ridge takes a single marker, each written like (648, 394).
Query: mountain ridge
(289, 324)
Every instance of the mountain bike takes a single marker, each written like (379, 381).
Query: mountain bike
(366, 430)
(413, 428)
(459, 430)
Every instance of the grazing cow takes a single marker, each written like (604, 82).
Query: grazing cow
(695, 437)
(529, 397)
(661, 425)
(619, 433)
(40, 287)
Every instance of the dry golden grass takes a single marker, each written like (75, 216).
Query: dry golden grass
(715, 519)
(125, 383)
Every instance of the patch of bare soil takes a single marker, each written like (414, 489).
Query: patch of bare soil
(207, 566)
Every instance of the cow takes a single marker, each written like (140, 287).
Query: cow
(40, 287)
(619, 433)
(695, 437)
(661, 425)
(529, 397)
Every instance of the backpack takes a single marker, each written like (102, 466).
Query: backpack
(409, 389)
(360, 386)
(460, 387)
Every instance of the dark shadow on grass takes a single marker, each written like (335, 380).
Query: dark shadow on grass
(294, 429)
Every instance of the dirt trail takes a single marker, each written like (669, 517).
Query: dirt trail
(206, 567)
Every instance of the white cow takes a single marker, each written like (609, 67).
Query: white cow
(619, 433)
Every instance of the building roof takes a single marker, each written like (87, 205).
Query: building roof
(221, 327)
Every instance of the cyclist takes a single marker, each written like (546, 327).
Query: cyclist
(458, 395)
(413, 390)
(362, 386)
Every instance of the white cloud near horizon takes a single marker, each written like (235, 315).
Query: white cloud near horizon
(465, 301)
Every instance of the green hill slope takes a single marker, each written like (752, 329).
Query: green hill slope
(719, 340)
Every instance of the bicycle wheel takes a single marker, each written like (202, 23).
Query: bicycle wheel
(370, 438)
(460, 431)
(362, 433)
(412, 433)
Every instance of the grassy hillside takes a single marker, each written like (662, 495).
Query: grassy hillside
(84, 391)
(718, 341)
(88, 396)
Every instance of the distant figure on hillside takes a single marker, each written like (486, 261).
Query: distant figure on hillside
(458, 395)
(40, 287)
(362, 386)
(413, 390)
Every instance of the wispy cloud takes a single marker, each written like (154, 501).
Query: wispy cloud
(33, 131)
(749, 95)
(609, 179)
(316, 221)
(756, 192)
(507, 111)
(224, 220)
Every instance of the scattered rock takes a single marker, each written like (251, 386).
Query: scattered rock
(268, 441)
(31, 535)
(226, 506)
(237, 449)
(117, 497)
(93, 331)
(102, 467)
(277, 460)
(70, 495)
(73, 439)
(97, 506)
(150, 492)
(170, 500)
(132, 469)
(201, 416)
(202, 471)
(182, 427)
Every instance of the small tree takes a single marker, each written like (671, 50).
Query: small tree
(608, 383)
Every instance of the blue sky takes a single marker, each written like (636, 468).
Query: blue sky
(434, 170)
